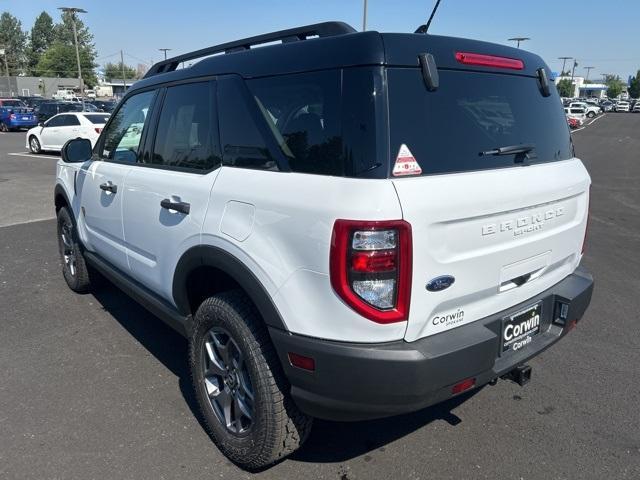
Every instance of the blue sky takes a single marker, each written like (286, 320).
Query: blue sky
(600, 34)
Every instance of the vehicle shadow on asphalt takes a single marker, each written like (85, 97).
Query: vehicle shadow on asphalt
(329, 441)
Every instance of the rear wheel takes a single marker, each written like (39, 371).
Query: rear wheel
(74, 267)
(34, 144)
(239, 384)
(3, 127)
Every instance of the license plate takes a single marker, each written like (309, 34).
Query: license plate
(519, 328)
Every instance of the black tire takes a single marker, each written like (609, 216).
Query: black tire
(276, 427)
(34, 144)
(74, 266)
(3, 127)
(591, 114)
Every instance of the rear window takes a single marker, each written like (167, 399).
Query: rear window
(97, 119)
(12, 103)
(448, 129)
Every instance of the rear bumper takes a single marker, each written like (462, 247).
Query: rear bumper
(22, 123)
(362, 381)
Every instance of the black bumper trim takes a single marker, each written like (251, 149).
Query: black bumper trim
(355, 381)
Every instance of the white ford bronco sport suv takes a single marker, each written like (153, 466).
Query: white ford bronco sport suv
(344, 225)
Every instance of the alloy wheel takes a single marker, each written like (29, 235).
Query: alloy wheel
(68, 247)
(226, 381)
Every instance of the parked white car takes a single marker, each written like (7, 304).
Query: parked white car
(579, 113)
(636, 107)
(622, 106)
(590, 110)
(55, 132)
(63, 95)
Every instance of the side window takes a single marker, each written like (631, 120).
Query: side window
(70, 121)
(243, 144)
(55, 121)
(123, 135)
(303, 111)
(185, 133)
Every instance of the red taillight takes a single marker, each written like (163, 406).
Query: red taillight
(300, 361)
(463, 386)
(98, 130)
(489, 60)
(376, 261)
(370, 267)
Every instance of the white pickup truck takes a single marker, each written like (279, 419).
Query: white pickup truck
(590, 111)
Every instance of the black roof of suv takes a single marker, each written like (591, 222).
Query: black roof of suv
(326, 99)
(330, 45)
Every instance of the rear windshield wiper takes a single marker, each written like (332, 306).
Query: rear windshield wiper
(509, 150)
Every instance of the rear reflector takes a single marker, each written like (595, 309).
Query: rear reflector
(489, 60)
(463, 385)
(300, 361)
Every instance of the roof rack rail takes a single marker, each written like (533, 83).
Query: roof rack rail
(325, 29)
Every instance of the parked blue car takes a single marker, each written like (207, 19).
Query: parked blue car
(14, 115)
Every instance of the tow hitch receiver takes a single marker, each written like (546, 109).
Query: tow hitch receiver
(520, 375)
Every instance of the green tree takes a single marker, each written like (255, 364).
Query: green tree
(634, 86)
(41, 38)
(565, 88)
(13, 39)
(614, 84)
(59, 60)
(113, 72)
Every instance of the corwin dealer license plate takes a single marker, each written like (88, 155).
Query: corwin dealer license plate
(519, 329)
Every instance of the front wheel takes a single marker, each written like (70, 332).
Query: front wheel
(34, 144)
(240, 386)
(591, 114)
(3, 127)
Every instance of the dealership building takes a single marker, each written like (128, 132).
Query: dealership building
(587, 90)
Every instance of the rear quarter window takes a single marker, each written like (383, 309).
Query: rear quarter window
(471, 112)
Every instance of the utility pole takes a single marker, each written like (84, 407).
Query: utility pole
(124, 81)
(564, 62)
(518, 40)
(73, 11)
(588, 69)
(364, 17)
(165, 50)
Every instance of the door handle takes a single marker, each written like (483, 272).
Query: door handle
(109, 187)
(182, 207)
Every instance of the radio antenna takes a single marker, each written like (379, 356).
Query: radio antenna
(424, 28)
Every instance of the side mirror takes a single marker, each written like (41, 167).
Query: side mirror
(40, 124)
(76, 150)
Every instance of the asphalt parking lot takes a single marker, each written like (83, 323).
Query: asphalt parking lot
(92, 386)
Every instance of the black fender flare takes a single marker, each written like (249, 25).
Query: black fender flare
(208, 255)
(60, 191)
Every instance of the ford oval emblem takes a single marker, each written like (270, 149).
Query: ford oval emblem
(440, 283)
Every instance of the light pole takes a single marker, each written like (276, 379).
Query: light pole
(73, 11)
(165, 50)
(588, 69)
(518, 40)
(564, 62)
(3, 52)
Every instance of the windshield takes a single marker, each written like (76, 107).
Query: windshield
(448, 130)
